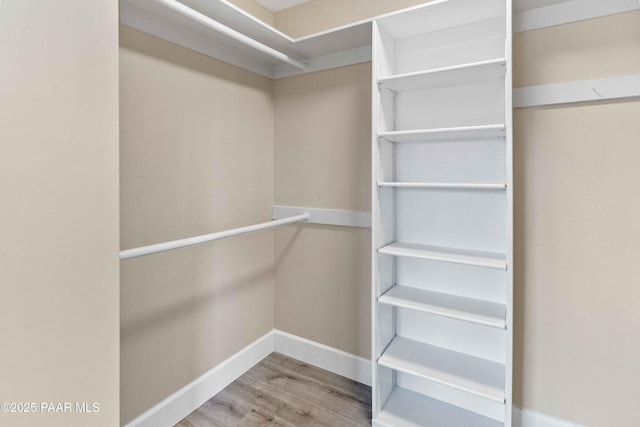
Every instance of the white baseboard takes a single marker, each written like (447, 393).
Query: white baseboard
(528, 418)
(325, 357)
(189, 398)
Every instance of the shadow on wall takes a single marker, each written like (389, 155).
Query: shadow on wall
(186, 296)
(282, 254)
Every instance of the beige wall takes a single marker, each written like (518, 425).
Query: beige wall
(196, 157)
(323, 159)
(593, 49)
(576, 168)
(323, 277)
(59, 208)
(320, 15)
(577, 308)
(323, 138)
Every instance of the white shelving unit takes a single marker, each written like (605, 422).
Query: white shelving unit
(442, 215)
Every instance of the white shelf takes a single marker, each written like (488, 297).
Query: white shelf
(445, 134)
(452, 255)
(405, 408)
(153, 18)
(443, 185)
(447, 76)
(485, 313)
(480, 377)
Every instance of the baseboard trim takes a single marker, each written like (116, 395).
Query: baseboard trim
(529, 418)
(325, 357)
(174, 408)
(189, 398)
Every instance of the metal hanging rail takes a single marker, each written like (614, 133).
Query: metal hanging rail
(190, 241)
(208, 22)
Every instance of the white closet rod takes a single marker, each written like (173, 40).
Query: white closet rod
(190, 241)
(215, 25)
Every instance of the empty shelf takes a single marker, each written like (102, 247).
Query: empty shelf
(471, 374)
(448, 76)
(453, 255)
(405, 408)
(445, 134)
(456, 307)
(443, 185)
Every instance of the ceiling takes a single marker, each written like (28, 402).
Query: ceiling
(277, 5)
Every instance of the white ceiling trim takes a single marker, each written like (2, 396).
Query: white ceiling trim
(278, 5)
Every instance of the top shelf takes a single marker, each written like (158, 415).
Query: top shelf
(447, 76)
(152, 17)
(439, 15)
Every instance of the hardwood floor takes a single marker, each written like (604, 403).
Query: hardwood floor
(281, 391)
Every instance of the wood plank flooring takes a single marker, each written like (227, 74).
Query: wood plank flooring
(281, 391)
